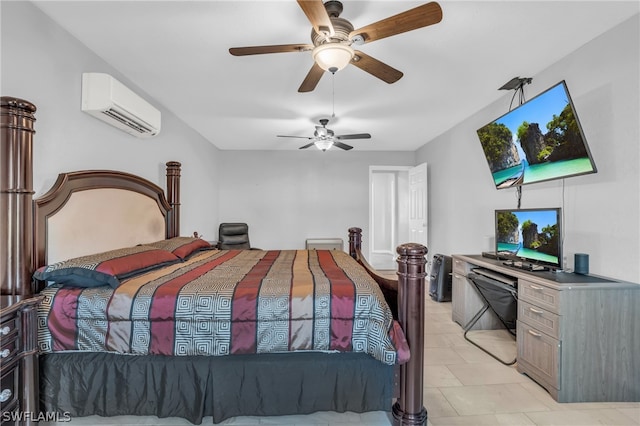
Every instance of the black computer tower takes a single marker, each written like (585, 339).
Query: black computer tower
(440, 278)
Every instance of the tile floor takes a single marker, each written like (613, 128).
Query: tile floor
(462, 386)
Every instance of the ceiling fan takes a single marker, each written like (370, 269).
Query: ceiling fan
(324, 138)
(333, 38)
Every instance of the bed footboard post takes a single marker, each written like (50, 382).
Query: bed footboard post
(173, 197)
(409, 408)
(355, 241)
(16, 195)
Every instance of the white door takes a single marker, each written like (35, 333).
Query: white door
(388, 214)
(418, 207)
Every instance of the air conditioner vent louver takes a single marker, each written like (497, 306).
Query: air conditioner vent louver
(107, 99)
(135, 126)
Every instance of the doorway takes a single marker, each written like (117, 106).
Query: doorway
(397, 211)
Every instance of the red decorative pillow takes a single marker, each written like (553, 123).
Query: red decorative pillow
(183, 247)
(105, 268)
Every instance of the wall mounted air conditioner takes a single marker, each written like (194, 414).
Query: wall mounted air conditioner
(107, 99)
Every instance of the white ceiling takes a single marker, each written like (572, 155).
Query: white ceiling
(177, 51)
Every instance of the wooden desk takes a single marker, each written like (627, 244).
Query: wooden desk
(577, 336)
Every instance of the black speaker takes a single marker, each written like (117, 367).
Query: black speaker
(440, 278)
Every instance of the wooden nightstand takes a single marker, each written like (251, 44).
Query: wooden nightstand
(18, 360)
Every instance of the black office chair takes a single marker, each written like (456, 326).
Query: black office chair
(233, 236)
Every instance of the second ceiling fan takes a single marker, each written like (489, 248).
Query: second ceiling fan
(333, 38)
(324, 138)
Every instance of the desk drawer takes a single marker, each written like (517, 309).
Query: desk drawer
(539, 354)
(538, 318)
(539, 295)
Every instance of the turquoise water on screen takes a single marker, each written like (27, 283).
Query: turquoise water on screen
(527, 253)
(546, 171)
(557, 169)
(502, 175)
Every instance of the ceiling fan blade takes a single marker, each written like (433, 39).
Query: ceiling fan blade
(342, 145)
(278, 48)
(354, 136)
(307, 145)
(299, 137)
(376, 68)
(311, 80)
(318, 16)
(412, 19)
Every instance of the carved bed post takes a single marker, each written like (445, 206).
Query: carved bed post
(409, 408)
(16, 194)
(355, 241)
(173, 196)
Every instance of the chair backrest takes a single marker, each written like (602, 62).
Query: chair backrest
(233, 236)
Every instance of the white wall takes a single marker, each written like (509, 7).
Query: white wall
(43, 64)
(602, 210)
(289, 196)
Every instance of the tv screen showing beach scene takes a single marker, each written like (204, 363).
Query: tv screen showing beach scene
(532, 235)
(539, 140)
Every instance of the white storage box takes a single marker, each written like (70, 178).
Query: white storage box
(324, 244)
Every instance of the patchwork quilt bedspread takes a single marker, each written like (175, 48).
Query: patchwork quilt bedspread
(223, 302)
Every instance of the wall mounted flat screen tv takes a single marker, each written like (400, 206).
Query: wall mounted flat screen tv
(531, 237)
(537, 141)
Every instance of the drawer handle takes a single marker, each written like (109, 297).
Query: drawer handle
(5, 395)
(533, 333)
(5, 353)
(535, 311)
(5, 330)
(535, 287)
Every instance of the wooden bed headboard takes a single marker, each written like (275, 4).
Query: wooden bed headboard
(92, 211)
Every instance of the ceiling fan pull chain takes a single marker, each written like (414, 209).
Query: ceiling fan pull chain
(333, 95)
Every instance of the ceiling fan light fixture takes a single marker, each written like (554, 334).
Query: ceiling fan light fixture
(323, 144)
(333, 57)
